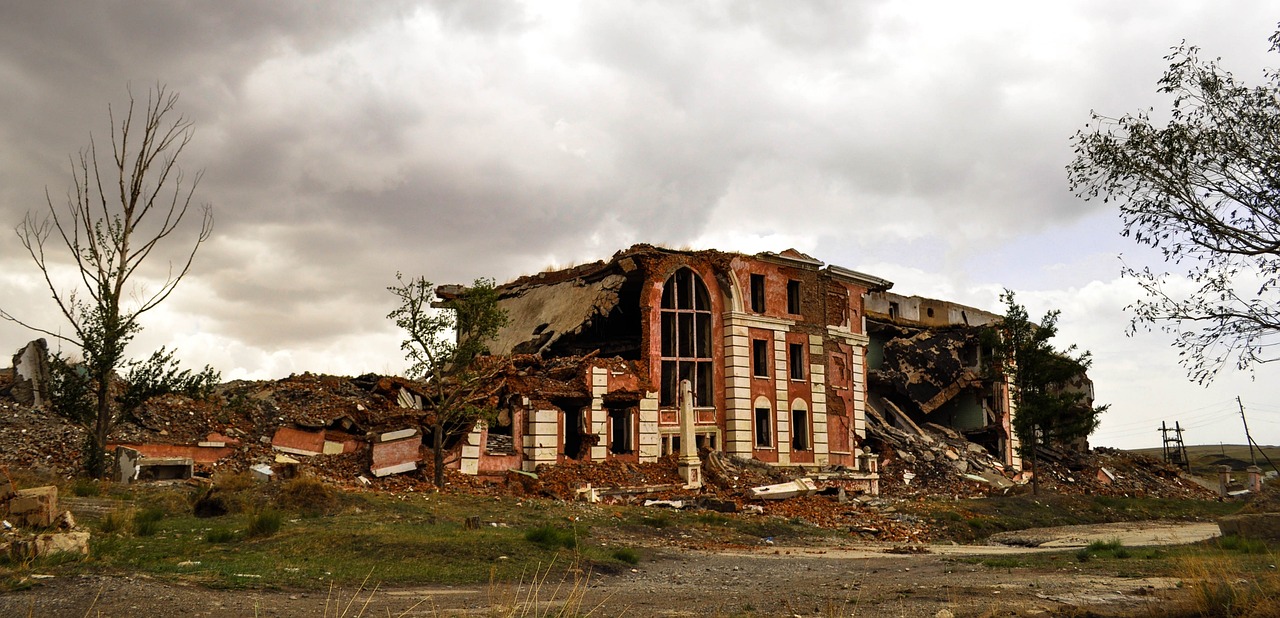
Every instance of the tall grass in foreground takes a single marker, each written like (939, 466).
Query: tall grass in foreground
(541, 597)
(1222, 586)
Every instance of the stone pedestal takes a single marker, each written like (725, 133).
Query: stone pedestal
(688, 463)
(1224, 479)
(1255, 478)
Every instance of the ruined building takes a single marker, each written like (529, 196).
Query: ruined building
(773, 344)
(926, 364)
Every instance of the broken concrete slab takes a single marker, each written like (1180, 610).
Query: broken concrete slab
(782, 491)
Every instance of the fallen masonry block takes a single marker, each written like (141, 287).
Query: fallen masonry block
(396, 456)
(132, 466)
(782, 491)
(41, 545)
(34, 508)
(1251, 525)
(298, 442)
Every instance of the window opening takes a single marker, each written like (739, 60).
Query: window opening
(800, 429)
(793, 297)
(764, 429)
(893, 310)
(621, 431)
(686, 338)
(575, 447)
(797, 361)
(757, 293)
(760, 358)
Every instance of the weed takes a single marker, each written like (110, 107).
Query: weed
(264, 523)
(659, 521)
(711, 519)
(1082, 555)
(83, 487)
(1242, 545)
(219, 535)
(550, 537)
(115, 521)
(1108, 545)
(1222, 587)
(627, 555)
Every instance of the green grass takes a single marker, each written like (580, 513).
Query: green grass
(974, 520)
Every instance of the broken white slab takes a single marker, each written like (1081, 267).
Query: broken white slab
(397, 435)
(670, 504)
(262, 472)
(782, 491)
(408, 466)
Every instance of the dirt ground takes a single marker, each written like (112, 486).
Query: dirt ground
(768, 581)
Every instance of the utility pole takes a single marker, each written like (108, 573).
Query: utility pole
(1252, 459)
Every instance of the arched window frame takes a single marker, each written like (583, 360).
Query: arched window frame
(686, 340)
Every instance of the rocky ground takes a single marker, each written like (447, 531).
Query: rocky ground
(862, 580)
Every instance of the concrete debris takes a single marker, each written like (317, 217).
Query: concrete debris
(782, 491)
(34, 527)
(133, 466)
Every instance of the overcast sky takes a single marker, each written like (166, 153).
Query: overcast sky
(923, 142)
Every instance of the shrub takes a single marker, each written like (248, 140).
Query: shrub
(1082, 555)
(1109, 545)
(627, 555)
(264, 523)
(307, 496)
(550, 537)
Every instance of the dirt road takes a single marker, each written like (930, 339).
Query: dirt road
(769, 581)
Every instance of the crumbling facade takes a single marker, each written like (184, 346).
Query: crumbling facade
(927, 364)
(773, 346)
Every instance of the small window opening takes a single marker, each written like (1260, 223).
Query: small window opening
(621, 431)
(929, 311)
(800, 430)
(793, 297)
(893, 310)
(760, 358)
(797, 361)
(757, 293)
(764, 429)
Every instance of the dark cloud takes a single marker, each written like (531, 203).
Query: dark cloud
(343, 142)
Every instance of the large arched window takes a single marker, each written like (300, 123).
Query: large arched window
(686, 338)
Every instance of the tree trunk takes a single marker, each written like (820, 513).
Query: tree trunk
(437, 450)
(95, 461)
(1035, 472)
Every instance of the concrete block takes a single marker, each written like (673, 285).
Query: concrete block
(34, 508)
(297, 441)
(396, 457)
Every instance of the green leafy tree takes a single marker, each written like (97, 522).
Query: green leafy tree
(121, 217)
(1048, 408)
(444, 339)
(1204, 190)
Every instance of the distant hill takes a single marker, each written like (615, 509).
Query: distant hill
(1206, 458)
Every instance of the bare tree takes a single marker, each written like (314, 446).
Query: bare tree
(124, 208)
